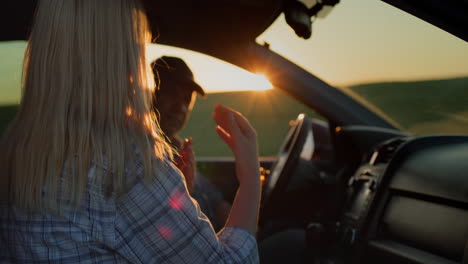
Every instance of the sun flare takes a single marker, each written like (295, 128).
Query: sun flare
(212, 74)
(251, 82)
(261, 82)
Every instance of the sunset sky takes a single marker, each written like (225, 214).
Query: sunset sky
(367, 41)
(358, 42)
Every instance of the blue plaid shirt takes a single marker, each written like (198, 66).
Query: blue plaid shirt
(151, 223)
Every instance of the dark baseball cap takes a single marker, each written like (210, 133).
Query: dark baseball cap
(175, 70)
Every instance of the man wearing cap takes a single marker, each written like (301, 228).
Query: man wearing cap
(173, 103)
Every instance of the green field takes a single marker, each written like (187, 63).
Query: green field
(7, 113)
(269, 112)
(436, 106)
(11, 54)
(425, 107)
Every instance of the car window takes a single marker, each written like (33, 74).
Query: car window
(411, 71)
(11, 53)
(269, 110)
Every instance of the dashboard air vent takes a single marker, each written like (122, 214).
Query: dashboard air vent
(383, 153)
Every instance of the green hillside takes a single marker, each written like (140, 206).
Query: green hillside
(269, 112)
(439, 106)
(7, 113)
(11, 54)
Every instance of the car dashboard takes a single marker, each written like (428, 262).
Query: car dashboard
(382, 196)
(407, 202)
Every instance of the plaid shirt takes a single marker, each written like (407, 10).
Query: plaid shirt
(150, 223)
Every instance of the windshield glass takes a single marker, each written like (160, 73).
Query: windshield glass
(412, 71)
(269, 110)
(396, 64)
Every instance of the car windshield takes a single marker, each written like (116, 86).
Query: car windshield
(403, 68)
(410, 71)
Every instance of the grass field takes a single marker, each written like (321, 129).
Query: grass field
(442, 108)
(439, 106)
(268, 111)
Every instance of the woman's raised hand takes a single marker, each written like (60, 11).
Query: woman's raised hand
(236, 131)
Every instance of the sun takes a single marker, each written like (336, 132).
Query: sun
(260, 82)
(212, 74)
(252, 82)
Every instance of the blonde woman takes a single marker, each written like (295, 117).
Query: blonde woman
(86, 175)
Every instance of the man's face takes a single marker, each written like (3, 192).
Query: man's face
(174, 103)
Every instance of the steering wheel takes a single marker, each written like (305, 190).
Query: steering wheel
(287, 161)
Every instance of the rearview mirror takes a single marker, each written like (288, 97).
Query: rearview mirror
(299, 16)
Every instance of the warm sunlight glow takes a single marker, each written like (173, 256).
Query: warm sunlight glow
(383, 43)
(128, 111)
(212, 74)
(261, 82)
(248, 81)
(262, 179)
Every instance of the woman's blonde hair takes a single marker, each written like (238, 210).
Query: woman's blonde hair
(85, 103)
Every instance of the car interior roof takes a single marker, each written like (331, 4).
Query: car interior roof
(211, 27)
(216, 27)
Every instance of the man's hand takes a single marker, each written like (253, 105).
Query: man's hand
(186, 163)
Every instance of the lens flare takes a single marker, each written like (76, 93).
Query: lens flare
(165, 232)
(177, 200)
(260, 82)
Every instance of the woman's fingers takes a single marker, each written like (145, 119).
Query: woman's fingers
(224, 117)
(224, 136)
(235, 130)
(239, 135)
(244, 125)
